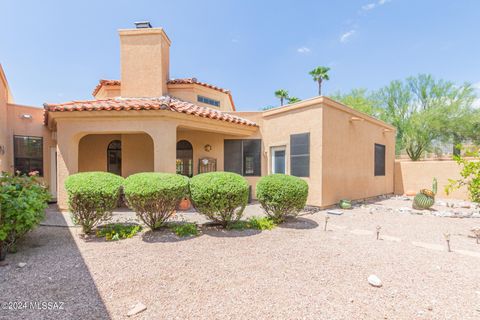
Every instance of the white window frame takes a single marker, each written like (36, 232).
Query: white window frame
(272, 157)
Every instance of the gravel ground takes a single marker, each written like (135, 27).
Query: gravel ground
(296, 271)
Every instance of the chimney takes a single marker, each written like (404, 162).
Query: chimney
(145, 61)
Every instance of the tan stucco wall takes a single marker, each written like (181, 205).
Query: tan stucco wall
(189, 92)
(29, 127)
(276, 132)
(4, 165)
(348, 157)
(137, 153)
(411, 176)
(108, 92)
(144, 56)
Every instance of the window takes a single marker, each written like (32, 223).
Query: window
(300, 154)
(184, 158)
(28, 154)
(278, 160)
(243, 157)
(209, 101)
(379, 159)
(114, 157)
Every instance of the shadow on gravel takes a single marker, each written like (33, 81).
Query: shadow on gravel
(165, 235)
(216, 230)
(298, 223)
(55, 274)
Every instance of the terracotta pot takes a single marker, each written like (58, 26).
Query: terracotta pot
(185, 204)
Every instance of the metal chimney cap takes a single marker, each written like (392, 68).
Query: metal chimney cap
(143, 25)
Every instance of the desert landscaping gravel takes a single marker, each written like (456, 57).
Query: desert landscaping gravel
(295, 271)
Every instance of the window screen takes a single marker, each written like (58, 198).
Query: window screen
(243, 157)
(28, 154)
(300, 154)
(233, 156)
(379, 159)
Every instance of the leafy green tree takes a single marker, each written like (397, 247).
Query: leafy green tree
(282, 95)
(361, 100)
(470, 174)
(319, 74)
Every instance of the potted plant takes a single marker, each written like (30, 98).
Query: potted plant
(184, 204)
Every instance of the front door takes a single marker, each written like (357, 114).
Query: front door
(278, 160)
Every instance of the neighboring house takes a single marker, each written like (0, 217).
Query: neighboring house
(149, 122)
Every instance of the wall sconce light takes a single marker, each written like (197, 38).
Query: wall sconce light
(387, 130)
(26, 116)
(205, 161)
(2, 150)
(356, 119)
(208, 148)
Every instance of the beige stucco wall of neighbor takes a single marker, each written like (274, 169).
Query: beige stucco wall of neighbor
(33, 127)
(411, 176)
(4, 156)
(276, 131)
(348, 155)
(189, 92)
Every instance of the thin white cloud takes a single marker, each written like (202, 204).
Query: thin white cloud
(476, 85)
(369, 6)
(381, 2)
(304, 50)
(346, 36)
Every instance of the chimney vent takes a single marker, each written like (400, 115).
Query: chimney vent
(143, 25)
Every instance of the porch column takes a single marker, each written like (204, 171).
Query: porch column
(67, 164)
(164, 137)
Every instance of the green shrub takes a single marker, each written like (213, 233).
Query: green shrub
(154, 196)
(117, 231)
(258, 223)
(220, 196)
(23, 200)
(469, 172)
(185, 229)
(281, 195)
(92, 196)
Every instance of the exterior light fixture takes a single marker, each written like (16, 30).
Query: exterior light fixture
(387, 130)
(26, 116)
(208, 148)
(205, 161)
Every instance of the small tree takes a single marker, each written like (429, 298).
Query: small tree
(470, 174)
(319, 74)
(282, 95)
(293, 100)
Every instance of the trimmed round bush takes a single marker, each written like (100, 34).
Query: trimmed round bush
(154, 196)
(220, 196)
(281, 195)
(92, 196)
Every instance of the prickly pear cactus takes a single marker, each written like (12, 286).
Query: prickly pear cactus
(425, 198)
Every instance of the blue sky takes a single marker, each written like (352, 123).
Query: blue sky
(56, 51)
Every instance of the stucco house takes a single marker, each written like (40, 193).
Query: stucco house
(147, 121)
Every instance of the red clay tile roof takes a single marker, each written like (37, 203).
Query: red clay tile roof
(161, 103)
(104, 82)
(195, 81)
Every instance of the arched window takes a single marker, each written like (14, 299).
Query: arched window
(184, 158)
(114, 157)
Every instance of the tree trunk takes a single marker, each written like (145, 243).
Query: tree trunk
(319, 87)
(281, 101)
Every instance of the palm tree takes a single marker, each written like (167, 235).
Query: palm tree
(282, 95)
(293, 99)
(319, 74)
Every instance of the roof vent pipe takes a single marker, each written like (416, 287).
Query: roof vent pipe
(143, 25)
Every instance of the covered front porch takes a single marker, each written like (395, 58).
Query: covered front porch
(125, 143)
